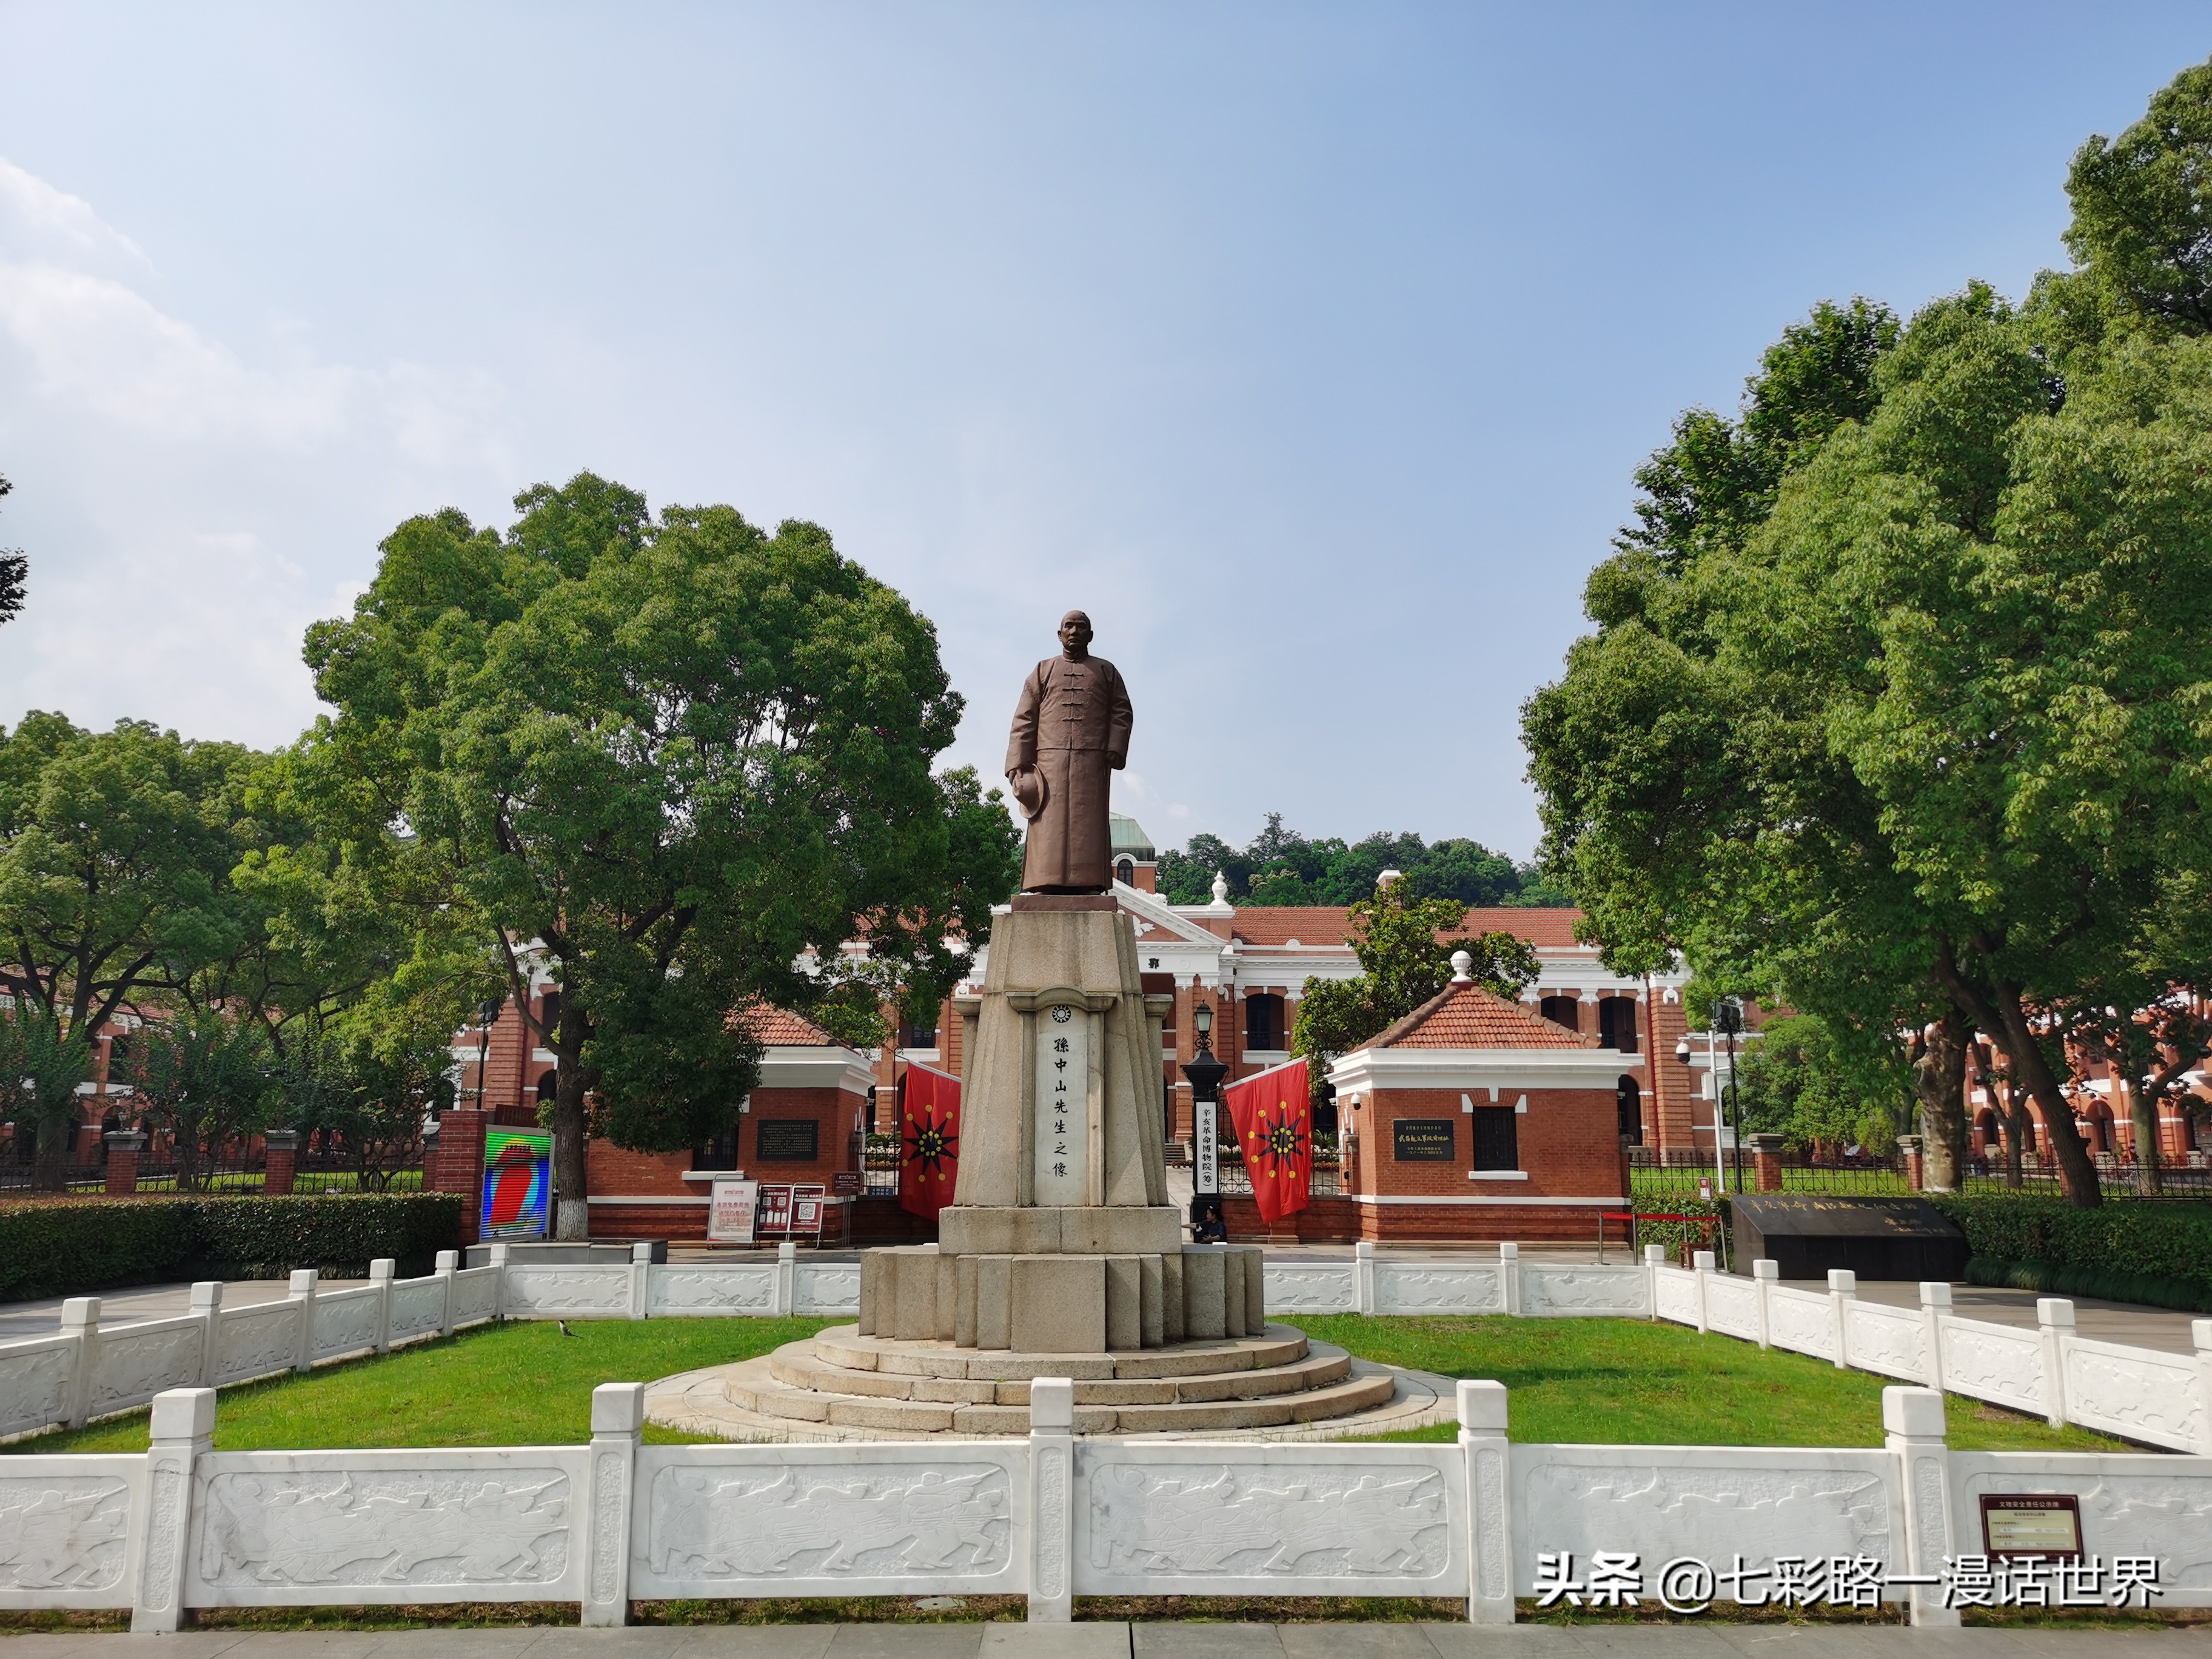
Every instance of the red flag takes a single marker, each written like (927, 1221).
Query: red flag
(929, 1140)
(1274, 1122)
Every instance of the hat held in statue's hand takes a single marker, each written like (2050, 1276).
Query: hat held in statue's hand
(1029, 789)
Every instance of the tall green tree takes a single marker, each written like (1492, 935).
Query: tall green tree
(668, 756)
(2142, 230)
(116, 853)
(1404, 943)
(206, 1080)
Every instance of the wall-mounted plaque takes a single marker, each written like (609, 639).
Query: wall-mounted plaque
(788, 1140)
(1425, 1139)
(2046, 1523)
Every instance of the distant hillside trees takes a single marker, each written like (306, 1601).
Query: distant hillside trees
(1280, 867)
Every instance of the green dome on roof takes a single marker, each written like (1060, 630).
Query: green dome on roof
(1129, 838)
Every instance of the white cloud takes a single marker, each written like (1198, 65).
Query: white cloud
(189, 505)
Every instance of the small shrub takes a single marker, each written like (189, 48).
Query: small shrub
(71, 1248)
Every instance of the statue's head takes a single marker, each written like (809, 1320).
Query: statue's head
(1075, 633)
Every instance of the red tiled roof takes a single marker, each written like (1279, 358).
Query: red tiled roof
(779, 1028)
(1326, 924)
(1468, 1016)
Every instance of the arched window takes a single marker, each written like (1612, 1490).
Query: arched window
(1616, 1024)
(1986, 1127)
(1125, 872)
(1263, 1021)
(1562, 1011)
(1630, 1100)
(548, 1084)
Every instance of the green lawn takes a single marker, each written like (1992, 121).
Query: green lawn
(1618, 1380)
(522, 1384)
(1629, 1383)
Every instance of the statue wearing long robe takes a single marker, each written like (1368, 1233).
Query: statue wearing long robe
(1070, 730)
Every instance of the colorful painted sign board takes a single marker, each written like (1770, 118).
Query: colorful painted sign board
(517, 1183)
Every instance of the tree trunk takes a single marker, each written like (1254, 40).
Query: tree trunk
(572, 1216)
(2015, 1132)
(2142, 1108)
(2000, 1012)
(1940, 1079)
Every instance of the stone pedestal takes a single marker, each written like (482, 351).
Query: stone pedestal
(1061, 1238)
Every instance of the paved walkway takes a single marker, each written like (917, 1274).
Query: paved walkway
(1105, 1640)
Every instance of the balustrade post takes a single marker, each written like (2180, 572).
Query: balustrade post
(640, 1265)
(2200, 1332)
(1935, 1302)
(1764, 1275)
(500, 1254)
(1482, 1440)
(81, 1321)
(2054, 1320)
(1912, 1419)
(1052, 1494)
(617, 1427)
(182, 1432)
(381, 1271)
(1655, 1258)
(1843, 1291)
(787, 1278)
(1362, 1276)
(1701, 1263)
(303, 1283)
(449, 1263)
(1509, 1266)
(207, 1308)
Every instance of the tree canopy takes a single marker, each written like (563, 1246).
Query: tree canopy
(1898, 717)
(677, 754)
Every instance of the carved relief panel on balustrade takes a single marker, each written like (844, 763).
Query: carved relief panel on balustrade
(346, 1322)
(682, 1291)
(2135, 1392)
(2144, 1504)
(1443, 1289)
(1991, 1362)
(1583, 1292)
(418, 1307)
(827, 1288)
(34, 1384)
(65, 1531)
(1802, 1321)
(825, 1520)
(136, 1362)
(255, 1341)
(1732, 1306)
(1756, 1502)
(1892, 1341)
(297, 1529)
(1311, 1288)
(1294, 1521)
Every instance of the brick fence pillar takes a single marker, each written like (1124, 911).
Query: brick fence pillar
(457, 1167)
(1910, 1147)
(124, 1147)
(283, 1160)
(1766, 1159)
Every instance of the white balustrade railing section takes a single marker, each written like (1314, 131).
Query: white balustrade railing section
(1484, 1522)
(2158, 1399)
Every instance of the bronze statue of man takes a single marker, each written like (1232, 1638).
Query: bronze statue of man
(1071, 729)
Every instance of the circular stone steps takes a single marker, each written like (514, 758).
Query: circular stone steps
(844, 1386)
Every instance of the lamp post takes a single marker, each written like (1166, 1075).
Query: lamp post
(486, 1013)
(1204, 1072)
(1729, 1017)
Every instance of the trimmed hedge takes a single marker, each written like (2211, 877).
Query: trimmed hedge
(2046, 1280)
(70, 1248)
(2163, 1240)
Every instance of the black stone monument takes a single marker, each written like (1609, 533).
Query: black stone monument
(1808, 1233)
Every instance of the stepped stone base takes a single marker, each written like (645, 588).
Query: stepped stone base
(844, 1385)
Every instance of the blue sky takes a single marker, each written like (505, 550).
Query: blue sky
(1310, 348)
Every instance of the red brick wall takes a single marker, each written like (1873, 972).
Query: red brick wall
(633, 1174)
(1342, 1221)
(1568, 1142)
(836, 1111)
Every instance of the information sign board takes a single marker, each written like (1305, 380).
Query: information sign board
(730, 1212)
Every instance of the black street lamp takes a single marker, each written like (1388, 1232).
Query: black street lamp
(487, 1012)
(1204, 1071)
(1729, 1015)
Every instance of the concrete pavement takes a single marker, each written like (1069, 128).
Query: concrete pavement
(1107, 1640)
